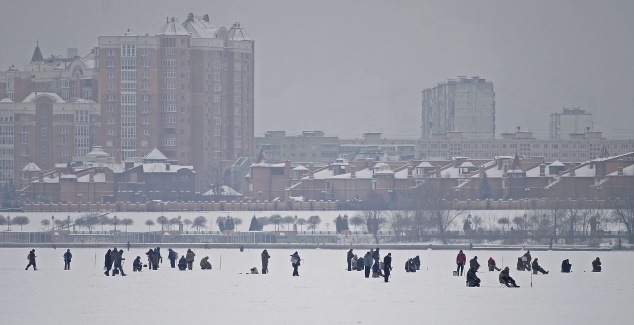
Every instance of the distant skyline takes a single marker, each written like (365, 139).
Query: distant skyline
(349, 67)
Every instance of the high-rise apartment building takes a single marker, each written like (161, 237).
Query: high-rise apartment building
(571, 122)
(465, 105)
(187, 91)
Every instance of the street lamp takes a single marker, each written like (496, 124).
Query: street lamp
(53, 222)
(68, 222)
(8, 223)
(115, 222)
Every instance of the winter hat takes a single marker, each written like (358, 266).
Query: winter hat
(506, 268)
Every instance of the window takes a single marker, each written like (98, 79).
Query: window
(111, 131)
(145, 52)
(145, 98)
(24, 141)
(110, 98)
(111, 120)
(110, 75)
(145, 76)
(168, 74)
(128, 64)
(168, 119)
(128, 75)
(168, 108)
(168, 63)
(110, 52)
(146, 132)
(110, 87)
(217, 87)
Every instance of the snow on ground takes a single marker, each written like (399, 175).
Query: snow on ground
(324, 293)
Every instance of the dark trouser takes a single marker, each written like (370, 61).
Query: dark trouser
(108, 268)
(511, 281)
(367, 271)
(386, 273)
(31, 263)
(120, 269)
(265, 267)
(295, 273)
(539, 269)
(349, 265)
(460, 268)
(66, 265)
(173, 263)
(594, 268)
(190, 265)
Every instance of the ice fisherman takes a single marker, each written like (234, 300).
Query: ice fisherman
(461, 260)
(295, 262)
(505, 278)
(265, 261)
(67, 257)
(31, 257)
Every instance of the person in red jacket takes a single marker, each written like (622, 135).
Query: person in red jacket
(461, 259)
(492, 265)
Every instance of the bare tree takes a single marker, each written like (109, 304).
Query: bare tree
(356, 221)
(237, 222)
(263, 221)
(149, 223)
(288, 220)
(433, 201)
(127, 222)
(504, 221)
(200, 222)
(399, 221)
(623, 213)
(301, 222)
(21, 220)
(313, 221)
(163, 221)
(187, 223)
(45, 223)
(276, 219)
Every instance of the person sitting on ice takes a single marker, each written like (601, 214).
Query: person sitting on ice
(491, 264)
(416, 261)
(472, 278)
(566, 266)
(360, 264)
(204, 263)
(505, 278)
(182, 263)
(136, 265)
(596, 265)
(354, 261)
(537, 267)
(376, 270)
(527, 260)
(520, 264)
(409, 266)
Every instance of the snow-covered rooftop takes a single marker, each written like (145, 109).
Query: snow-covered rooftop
(172, 27)
(34, 95)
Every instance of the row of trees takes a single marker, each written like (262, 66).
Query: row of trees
(17, 220)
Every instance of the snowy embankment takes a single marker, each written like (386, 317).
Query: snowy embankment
(324, 293)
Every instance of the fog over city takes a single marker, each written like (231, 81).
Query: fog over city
(348, 67)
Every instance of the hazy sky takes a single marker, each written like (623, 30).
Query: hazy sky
(348, 67)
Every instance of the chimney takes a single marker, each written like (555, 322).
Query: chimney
(499, 163)
(129, 165)
(438, 175)
(620, 171)
(91, 176)
(572, 172)
(167, 166)
(481, 171)
(353, 172)
(410, 171)
(40, 176)
(542, 170)
(311, 172)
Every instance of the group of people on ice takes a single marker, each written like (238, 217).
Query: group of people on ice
(372, 264)
(525, 262)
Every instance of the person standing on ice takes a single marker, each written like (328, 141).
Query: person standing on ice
(296, 262)
(526, 258)
(505, 278)
(108, 262)
(265, 261)
(31, 257)
(190, 259)
(67, 257)
(367, 262)
(461, 260)
(376, 256)
(387, 266)
(157, 257)
(150, 259)
(349, 259)
(172, 256)
(118, 262)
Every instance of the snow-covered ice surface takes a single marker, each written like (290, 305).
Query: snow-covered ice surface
(324, 293)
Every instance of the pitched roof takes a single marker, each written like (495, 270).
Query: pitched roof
(171, 27)
(31, 167)
(37, 54)
(155, 154)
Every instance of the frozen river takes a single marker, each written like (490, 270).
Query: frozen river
(324, 293)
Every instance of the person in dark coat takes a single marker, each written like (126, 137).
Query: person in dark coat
(461, 260)
(376, 270)
(521, 266)
(416, 261)
(158, 259)
(387, 266)
(472, 278)
(31, 257)
(108, 263)
(172, 256)
(376, 256)
(491, 265)
(150, 259)
(473, 264)
(566, 266)
(204, 263)
(182, 263)
(360, 264)
(296, 262)
(349, 259)
(596, 265)
(409, 266)
(118, 262)
(506, 279)
(190, 259)
(537, 267)
(67, 257)
(265, 261)
(526, 258)
(367, 262)
(136, 265)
